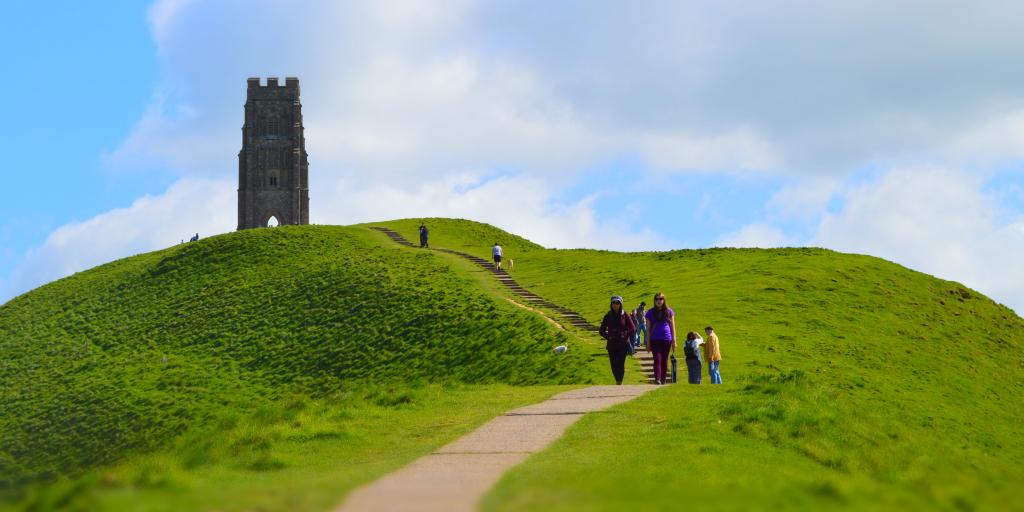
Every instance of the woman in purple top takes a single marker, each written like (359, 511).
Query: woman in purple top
(661, 335)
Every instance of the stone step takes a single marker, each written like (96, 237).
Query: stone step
(503, 277)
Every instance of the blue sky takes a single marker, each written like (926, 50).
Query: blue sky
(78, 78)
(878, 128)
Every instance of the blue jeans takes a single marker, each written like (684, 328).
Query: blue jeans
(716, 378)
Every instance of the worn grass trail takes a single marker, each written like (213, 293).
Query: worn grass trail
(456, 476)
(568, 316)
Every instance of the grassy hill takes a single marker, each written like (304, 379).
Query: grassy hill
(276, 369)
(128, 356)
(850, 381)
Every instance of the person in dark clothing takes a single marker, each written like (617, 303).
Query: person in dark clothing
(617, 328)
(692, 350)
(423, 235)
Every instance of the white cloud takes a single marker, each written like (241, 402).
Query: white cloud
(755, 235)
(163, 14)
(936, 221)
(150, 223)
(805, 200)
(417, 102)
(998, 137)
(520, 205)
(413, 89)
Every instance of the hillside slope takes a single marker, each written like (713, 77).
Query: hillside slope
(876, 385)
(128, 355)
(850, 382)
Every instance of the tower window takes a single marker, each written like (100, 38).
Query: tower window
(273, 181)
(273, 126)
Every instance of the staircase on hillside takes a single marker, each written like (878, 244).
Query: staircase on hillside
(573, 318)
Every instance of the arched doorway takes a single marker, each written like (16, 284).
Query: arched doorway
(272, 222)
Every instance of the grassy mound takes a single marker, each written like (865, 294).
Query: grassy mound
(278, 355)
(129, 355)
(874, 383)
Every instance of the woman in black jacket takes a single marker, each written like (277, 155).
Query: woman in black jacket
(618, 329)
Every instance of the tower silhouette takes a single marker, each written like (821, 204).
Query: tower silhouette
(273, 167)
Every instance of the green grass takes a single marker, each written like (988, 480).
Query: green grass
(296, 454)
(127, 357)
(253, 370)
(883, 385)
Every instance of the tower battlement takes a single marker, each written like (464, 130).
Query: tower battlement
(273, 88)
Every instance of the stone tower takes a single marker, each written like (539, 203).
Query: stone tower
(273, 170)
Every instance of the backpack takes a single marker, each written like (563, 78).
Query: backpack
(690, 349)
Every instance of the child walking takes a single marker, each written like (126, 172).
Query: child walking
(692, 351)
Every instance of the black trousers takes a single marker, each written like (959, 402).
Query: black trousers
(617, 357)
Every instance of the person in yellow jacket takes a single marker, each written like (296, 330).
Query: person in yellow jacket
(713, 355)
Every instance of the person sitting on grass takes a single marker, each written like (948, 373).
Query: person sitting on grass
(692, 351)
(617, 328)
(713, 355)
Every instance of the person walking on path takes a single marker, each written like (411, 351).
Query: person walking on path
(692, 351)
(641, 323)
(713, 355)
(424, 233)
(496, 253)
(617, 328)
(661, 335)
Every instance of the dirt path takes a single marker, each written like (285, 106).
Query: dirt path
(539, 312)
(457, 475)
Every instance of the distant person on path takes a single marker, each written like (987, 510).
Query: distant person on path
(195, 238)
(692, 351)
(713, 355)
(634, 338)
(496, 252)
(424, 233)
(617, 328)
(661, 322)
(641, 323)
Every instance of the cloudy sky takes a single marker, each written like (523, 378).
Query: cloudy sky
(888, 128)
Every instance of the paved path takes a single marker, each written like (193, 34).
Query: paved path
(456, 476)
